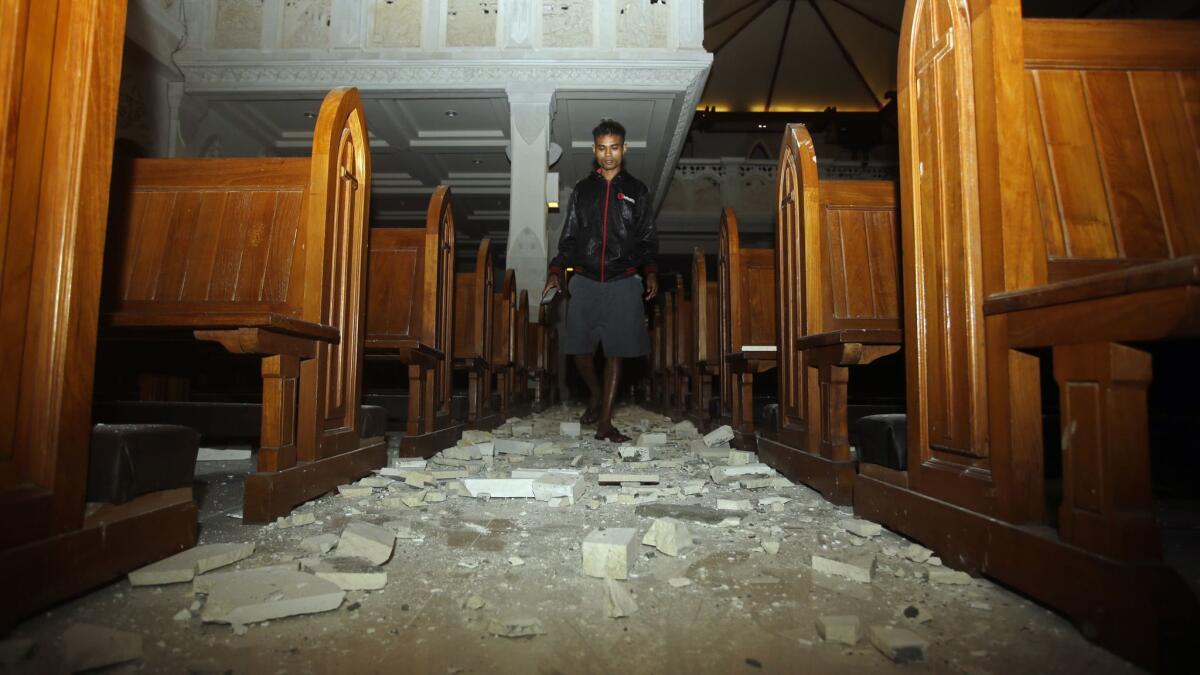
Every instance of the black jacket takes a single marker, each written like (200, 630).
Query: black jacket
(609, 231)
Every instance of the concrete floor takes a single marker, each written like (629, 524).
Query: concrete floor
(746, 611)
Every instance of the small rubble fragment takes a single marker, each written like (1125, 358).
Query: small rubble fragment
(375, 482)
(916, 553)
(500, 487)
(184, 614)
(733, 505)
(252, 596)
(569, 429)
(618, 478)
(349, 574)
(863, 528)
(650, 439)
(618, 602)
(946, 576)
(508, 446)
(738, 457)
(516, 627)
(354, 491)
(475, 437)
(679, 582)
(88, 647)
(610, 553)
(369, 542)
(669, 536)
(686, 429)
(297, 519)
(463, 452)
(473, 602)
(898, 644)
(842, 628)
(721, 435)
(636, 453)
(771, 547)
(693, 487)
(184, 566)
(856, 568)
(555, 485)
(725, 474)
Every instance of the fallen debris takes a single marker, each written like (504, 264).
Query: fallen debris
(945, 575)
(720, 435)
(689, 512)
(569, 429)
(842, 628)
(552, 485)
(916, 553)
(679, 582)
(252, 596)
(369, 542)
(733, 505)
(609, 553)
(636, 453)
(516, 628)
(649, 439)
(350, 574)
(500, 487)
(725, 474)
(771, 547)
(618, 478)
(186, 565)
(88, 646)
(898, 644)
(297, 519)
(669, 536)
(508, 446)
(857, 568)
(862, 528)
(618, 602)
(737, 457)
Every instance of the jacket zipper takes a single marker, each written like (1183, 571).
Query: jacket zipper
(604, 229)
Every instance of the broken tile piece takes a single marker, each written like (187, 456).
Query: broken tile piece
(700, 449)
(916, 553)
(554, 485)
(88, 647)
(252, 596)
(319, 543)
(369, 542)
(435, 497)
(733, 505)
(724, 474)
(547, 448)
(500, 487)
(635, 453)
(508, 446)
(474, 437)
(857, 568)
(463, 452)
(184, 566)
(771, 547)
(354, 491)
(686, 429)
(842, 628)
(722, 434)
(349, 574)
(898, 644)
(618, 602)
(609, 553)
(947, 576)
(569, 429)
(693, 487)
(863, 528)
(669, 536)
(375, 482)
(738, 457)
(650, 439)
(516, 627)
(296, 520)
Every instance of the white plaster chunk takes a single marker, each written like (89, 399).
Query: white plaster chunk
(88, 647)
(844, 629)
(669, 536)
(757, 483)
(508, 446)
(517, 627)
(946, 576)
(296, 520)
(184, 566)
(262, 595)
(636, 453)
(222, 454)
(610, 553)
(693, 487)
(856, 568)
(465, 452)
(538, 473)
(742, 457)
(686, 429)
(725, 474)
(863, 528)
(516, 488)
(548, 448)
(522, 430)
(552, 485)
(637, 478)
(618, 602)
(354, 491)
(733, 505)
(569, 429)
(369, 542)
(771, 547)
(375, 482)
(679, 582)
(408, 463)
(449, 474)
(701, 450)
(320, 543)
(349, 574)
(916, 553)
(651, 439)
(475, 437)
(435, 497)
(721, 435)
(898, 644)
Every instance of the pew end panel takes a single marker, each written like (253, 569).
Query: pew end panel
(705, 319)
(473, 317)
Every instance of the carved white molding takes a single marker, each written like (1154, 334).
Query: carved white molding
(683, 122)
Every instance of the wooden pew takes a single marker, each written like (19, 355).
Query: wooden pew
(656, 357)
(706, 364)
(263, 256)
(473, 336)
(664, 346)
(1049, 170)
(521, 363)
(684, 352)
(410, 314)
(504, 320)
(746, 333)
(542, 349)
(837, 307)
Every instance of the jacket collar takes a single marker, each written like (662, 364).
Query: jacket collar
(599, 176)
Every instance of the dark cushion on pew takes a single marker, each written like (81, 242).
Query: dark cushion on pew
(372, 421)
(130, 460)
(882, 440)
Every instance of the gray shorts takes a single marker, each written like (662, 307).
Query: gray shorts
(610, 314)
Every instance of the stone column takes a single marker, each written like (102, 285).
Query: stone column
(529, 139)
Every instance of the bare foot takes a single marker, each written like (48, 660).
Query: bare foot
(591, 414)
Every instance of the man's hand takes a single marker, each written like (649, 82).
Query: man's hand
(651, 285)
(551, 282)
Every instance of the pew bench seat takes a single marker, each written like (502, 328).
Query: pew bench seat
(271, 322)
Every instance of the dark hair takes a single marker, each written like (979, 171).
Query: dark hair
(608, 127)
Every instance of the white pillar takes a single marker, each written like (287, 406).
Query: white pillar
(529, 141)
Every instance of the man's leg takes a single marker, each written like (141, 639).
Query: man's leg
(604, 426)
(588, 370)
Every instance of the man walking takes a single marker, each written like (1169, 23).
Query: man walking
(608, 238)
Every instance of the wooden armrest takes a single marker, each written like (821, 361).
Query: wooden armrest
(863, 336)
(277, 323)
(1154, 276)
